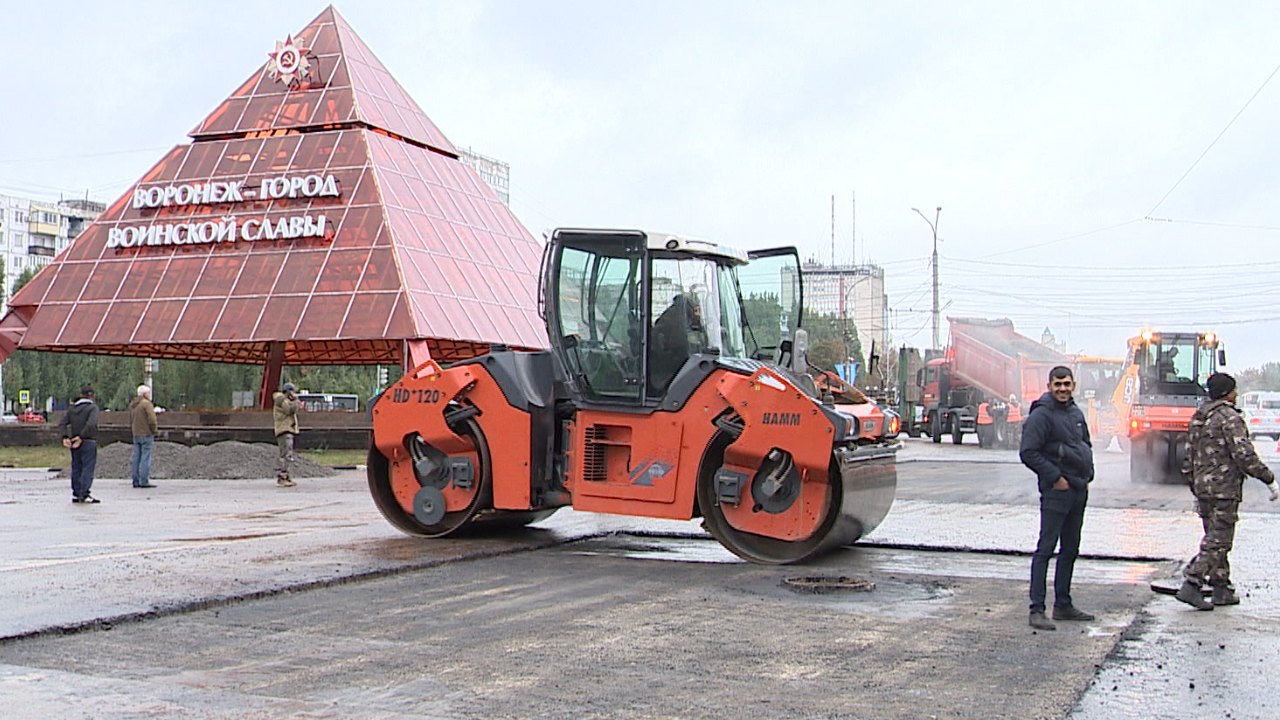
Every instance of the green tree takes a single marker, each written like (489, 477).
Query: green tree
(24, 277)
(764, 318)
(1266, 377)
(832, 339)
(358, 380)
(190, 384)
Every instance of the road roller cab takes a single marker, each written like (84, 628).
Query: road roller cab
(674, 387)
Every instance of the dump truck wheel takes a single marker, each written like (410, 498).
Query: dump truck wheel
(1001, 432)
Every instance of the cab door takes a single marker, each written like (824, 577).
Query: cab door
(772, 289)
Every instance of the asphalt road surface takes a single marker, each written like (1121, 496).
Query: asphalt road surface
(231, 599)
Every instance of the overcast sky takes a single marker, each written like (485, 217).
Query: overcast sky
(1101, 166)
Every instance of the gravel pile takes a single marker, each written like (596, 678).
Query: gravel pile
(229, 460)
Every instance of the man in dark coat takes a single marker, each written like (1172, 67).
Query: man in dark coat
(1056, 446)
(1219, 455)
(671, 340)
(80, 436)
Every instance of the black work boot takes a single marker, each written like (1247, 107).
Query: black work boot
(1040, 622)
(1190, 594)
(1225, 595)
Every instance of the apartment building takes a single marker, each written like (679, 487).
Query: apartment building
(33, 231)
(855, 292)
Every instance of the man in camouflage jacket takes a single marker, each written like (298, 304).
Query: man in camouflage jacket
(1219, 455)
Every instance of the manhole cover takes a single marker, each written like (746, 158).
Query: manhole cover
(827, 584)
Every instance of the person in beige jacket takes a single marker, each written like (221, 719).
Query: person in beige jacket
(285, 417)
(142, 417)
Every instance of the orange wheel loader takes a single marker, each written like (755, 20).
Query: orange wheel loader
(1163, 383)
(673, 387)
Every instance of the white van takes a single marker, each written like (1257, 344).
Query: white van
(1261, 413)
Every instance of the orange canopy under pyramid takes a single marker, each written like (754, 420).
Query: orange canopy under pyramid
(317, 217)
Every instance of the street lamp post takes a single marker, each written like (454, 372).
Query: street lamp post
(844, 319)
(934, 227)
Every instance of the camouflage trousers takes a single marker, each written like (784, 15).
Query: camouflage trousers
(1210, 565)
(285, 442)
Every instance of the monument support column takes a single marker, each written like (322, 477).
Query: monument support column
(271, 375)
(415, 353)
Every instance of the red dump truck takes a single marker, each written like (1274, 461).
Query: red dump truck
(984, 382)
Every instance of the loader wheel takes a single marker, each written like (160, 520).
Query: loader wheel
(1174, 452)
(1140, 460)
(748, 546)
(379, 474)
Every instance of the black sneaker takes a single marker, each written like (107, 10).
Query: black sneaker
(1071, 613)
(90, 500)
(148, 485)
(1040, 622)
(76, 500)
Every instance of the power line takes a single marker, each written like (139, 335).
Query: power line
(1215, 141)
(1145, 268)
(1061, 239)
(1236, 226)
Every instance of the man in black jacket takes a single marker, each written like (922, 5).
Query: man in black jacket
(80, 435)
(1056, 446)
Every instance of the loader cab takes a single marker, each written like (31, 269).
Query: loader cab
(627, 310)
(1097, 377)
(1176, 364)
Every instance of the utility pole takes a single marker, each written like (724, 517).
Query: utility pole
(853, 227)
(833, 231)
(934, 227)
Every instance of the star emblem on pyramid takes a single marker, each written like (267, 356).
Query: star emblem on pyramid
(290, 63)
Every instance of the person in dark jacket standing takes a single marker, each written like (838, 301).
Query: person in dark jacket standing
(80, 435)
(1219, 455)
(142, 420)
(1056, 446)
